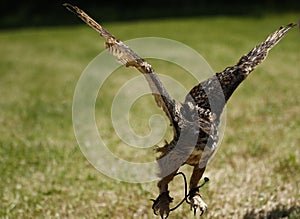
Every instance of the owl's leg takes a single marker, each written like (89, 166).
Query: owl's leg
(162, 203)
(195, 197)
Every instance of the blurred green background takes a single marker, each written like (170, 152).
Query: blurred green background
(43, 174)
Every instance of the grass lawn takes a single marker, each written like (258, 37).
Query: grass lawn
(44, 174)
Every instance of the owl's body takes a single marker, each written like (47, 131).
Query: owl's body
(195, 122)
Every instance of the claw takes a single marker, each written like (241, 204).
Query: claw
(195, 210)
(161, 205)
(202, 211)
(198, 203)
(162, 216)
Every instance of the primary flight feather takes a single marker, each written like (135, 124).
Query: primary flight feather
(195, 121)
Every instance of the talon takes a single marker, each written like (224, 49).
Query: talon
(162, 217)
(202, 211)
(161, 205)
(197, 203)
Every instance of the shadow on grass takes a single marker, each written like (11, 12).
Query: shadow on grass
(277, 212)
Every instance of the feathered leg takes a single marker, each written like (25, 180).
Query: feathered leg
(195, 197)
(162, 203)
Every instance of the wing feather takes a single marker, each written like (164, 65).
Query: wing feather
(223, 84)
(129, 58)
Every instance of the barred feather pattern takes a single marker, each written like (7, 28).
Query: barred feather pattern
(210, 96)
(223, 84)
(130, 59)
(259, 53)
(205, 102)
(199, 115)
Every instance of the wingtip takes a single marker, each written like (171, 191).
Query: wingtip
(70, 7)
(67, 5)
(288, 26)
(291, 25)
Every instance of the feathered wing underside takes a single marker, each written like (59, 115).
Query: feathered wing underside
(259, 53)
(223, 84)
(129, 58)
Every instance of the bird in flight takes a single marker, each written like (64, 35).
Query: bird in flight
(195, 122)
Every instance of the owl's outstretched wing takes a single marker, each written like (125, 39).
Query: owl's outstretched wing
(129, 58)
(223, 84)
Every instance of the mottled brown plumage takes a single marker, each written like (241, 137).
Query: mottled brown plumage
(195, 121)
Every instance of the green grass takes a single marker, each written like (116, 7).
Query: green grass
(44, 175)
